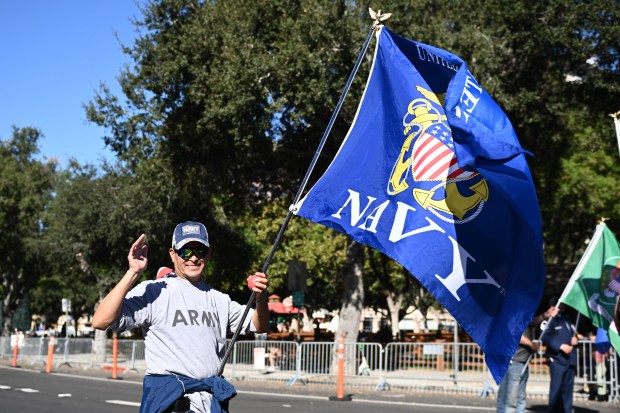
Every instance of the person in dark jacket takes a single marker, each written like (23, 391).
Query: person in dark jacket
(511, 395)
(560, 337)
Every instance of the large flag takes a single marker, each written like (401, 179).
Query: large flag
(594, 286)
(614, 336)
(431, 173)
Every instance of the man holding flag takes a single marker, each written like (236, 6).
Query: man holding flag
(614, 337)
(511, 394)
(601, 359)
(594, 288)
(560, 338)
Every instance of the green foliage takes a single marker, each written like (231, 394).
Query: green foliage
(236, 95)
(322, 249)
(589, 185)
(21, 317)
(231, 98)
(86, 238)
(223, 108)
(25, 190)
(554, 68)
(386, 280)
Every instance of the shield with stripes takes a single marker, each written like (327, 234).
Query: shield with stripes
(433, 157)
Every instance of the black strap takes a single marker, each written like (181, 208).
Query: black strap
(182, 405)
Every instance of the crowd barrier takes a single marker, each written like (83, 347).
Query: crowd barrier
(407, 364)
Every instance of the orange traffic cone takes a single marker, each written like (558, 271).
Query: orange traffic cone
(340, 396)
(50, 354)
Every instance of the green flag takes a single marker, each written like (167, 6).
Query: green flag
(614, 338)
(595, 283)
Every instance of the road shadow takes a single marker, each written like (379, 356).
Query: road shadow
(576, 409)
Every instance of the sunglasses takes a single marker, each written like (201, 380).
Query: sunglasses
(186, 253)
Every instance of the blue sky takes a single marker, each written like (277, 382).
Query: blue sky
(53, 56)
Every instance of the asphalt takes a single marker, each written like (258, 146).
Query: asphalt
(422, 388)
(415, 383)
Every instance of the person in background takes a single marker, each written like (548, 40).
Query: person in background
(185, 321)
(275, 355)
(281, 326)
(294, 326)
(511, 395)
(560, 337)
(617, 313)
(162, 272)
(601, 354)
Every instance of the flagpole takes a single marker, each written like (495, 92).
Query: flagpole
(616, 117)
(304, 181)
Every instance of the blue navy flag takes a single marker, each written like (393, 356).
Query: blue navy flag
(431, 173)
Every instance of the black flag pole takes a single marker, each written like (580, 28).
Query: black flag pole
(378, 17)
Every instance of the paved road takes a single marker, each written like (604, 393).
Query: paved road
(23, 390)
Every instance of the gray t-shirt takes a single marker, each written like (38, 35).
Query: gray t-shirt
(185, 327)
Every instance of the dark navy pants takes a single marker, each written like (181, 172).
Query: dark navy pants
(561, 387)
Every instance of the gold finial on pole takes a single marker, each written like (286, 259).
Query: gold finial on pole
(602, 220)
(378, 17)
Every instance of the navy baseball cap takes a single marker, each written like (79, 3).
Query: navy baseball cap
(187, 232)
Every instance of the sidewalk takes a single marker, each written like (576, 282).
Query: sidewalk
(415, 382)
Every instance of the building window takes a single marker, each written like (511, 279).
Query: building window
(367, 325)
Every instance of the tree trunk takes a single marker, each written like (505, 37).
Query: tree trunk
(394, 306)
(100, 341)
(12, 286)
(352, 304)
(99, 350)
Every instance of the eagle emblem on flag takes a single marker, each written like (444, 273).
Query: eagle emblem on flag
(427, 155)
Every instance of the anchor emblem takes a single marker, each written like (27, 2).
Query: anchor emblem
(454, 203)
(427, 153)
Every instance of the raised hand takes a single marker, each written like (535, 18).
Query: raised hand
(138, 255)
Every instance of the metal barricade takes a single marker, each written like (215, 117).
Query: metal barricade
(316, 358)
(596, 373)
(34, 350)
(264, 356)
(126, 353)
(5, 347)
(77, 351)
(137, 355)
(361, 359)
(407, 364)
(433, 361)
(614, 370)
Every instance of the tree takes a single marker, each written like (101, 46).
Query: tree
(388, 287)
(22, 317)
(25, 191)
(94, 218)
(353, 293)
(322, 249)
(87, 232)
(554, 67)
(232, 97)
